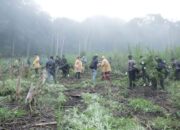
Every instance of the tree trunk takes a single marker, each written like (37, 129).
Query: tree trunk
(79, 48)
(28, 49)
(57, 45)
(13, 47)
(62, 47)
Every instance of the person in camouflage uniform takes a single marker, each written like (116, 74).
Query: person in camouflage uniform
(131, 72)
(144, 74)
(176, 68)
(161, 72)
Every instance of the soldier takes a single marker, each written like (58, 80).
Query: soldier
(84, 63)
(51, 68)
(131, 71)
(57, 62)
(145, 76)
(65, 66)
(161, 69)
(176, 67)
(93, 66)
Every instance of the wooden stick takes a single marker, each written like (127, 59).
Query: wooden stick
(45, 123)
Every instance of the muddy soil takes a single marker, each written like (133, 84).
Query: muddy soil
(74, 98)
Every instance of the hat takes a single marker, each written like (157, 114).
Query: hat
(103, 57)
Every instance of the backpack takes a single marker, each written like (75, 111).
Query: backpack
(91, 65)
(178, 63)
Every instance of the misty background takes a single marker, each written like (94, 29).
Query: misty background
(26, 30)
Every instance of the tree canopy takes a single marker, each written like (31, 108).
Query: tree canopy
(26, 30)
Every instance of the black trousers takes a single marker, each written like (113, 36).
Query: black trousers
(54, 76)
(65, 72)
(36, 70)
(78, 75)
(155, 82)
(132, 78)
(145, 76)
(177, 74)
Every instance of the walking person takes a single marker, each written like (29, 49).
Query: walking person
(36, 64)
(176, 68)
(161, 66)
(105, 68)
(93, 66)
(51, 69)
(78, 67)
(145, 76)
(64, 66)
(131, 72)
(84, 63)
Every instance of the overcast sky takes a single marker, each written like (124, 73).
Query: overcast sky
(123, 9)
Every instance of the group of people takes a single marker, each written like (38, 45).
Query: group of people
(54, 65)
(160, 69)
(154, 74)
(103, 63)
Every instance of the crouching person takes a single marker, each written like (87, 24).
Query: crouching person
(51, 69)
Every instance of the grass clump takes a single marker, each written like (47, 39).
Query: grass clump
(161, 123)
(95, 117)
(144, 105)
(8, 87)
(174, 90)
(90, 98)
(6, 114)
(52, 96)
(125, 124)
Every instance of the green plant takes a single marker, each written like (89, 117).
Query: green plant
(125, 124)
(95, 117)
(90, 98)
(52, 95)
(8, 88)
(6, 114)
(167, 123)
(144, 105)
(174, 90)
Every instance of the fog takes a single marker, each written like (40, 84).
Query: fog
(25, 30)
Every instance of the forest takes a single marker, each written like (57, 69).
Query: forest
(26, 30)
(98, 74)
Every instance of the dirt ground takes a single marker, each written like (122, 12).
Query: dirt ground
(38, 120)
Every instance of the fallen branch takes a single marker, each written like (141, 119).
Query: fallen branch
(44, 124)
